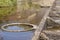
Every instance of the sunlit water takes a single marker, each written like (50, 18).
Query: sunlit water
(17, 35)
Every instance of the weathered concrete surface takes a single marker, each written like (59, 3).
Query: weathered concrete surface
(55, 14)
(46, 2)
(53, 35)
(41, 25)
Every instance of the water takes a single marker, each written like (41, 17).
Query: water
(16, 35)
(18, 27)
(14, 28)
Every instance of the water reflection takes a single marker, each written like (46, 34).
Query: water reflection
(17, 35)
(1, 37)
(18, 27)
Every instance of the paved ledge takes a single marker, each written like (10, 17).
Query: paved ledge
(33, 27)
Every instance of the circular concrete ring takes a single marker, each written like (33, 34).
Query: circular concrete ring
(33, 27)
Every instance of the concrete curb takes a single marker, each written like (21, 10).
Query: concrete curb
(33, 27)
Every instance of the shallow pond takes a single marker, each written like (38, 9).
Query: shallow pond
(17, 35)
(18, 27)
